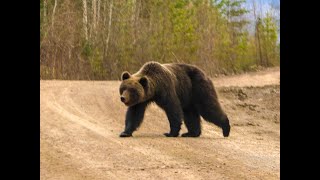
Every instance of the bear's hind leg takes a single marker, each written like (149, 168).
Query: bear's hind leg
(213, 113)
(206, 101)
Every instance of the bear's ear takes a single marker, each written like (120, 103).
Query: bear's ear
(143, 81)
(125, 75)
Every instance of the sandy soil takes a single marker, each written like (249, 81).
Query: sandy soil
(80, 122)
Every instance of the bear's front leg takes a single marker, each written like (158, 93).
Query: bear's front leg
(134, 118)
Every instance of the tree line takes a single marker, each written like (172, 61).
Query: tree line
(98, 39)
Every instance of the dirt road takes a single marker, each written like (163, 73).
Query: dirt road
(80, 122)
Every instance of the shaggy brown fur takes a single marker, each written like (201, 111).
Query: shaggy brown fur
(183, 91)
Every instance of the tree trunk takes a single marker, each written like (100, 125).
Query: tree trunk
(45, 5)
(85, 19)
(98, 13)
(259, 45)
(53, 12)
(257, 39)
(109, 26)
(94, 15)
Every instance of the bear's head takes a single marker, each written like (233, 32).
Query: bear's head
(133, 89)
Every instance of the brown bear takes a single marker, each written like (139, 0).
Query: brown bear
(183, 91)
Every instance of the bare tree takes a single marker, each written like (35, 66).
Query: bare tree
(94, 15)
(85, 19)
(257, 33)
(109, 26)
(45, 5)
(98, 13)
(53, 12)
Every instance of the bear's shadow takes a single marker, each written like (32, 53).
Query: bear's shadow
(156, 136)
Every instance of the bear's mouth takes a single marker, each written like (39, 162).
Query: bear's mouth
(129, 104)
(126, 103)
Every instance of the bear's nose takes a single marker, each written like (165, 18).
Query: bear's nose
(122, 99)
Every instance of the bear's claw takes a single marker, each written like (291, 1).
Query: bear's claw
(124, 134)
(170, 135)
(226, 130)
(190, 135)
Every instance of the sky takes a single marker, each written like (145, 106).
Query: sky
(262, 7)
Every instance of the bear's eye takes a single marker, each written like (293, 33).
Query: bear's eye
(122, 89)
(132, 91)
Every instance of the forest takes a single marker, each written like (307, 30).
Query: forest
(98, 39)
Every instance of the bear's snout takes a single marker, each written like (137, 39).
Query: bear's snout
(125, 97)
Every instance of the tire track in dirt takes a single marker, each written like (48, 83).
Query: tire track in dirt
(268, 77)
(71, 112)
